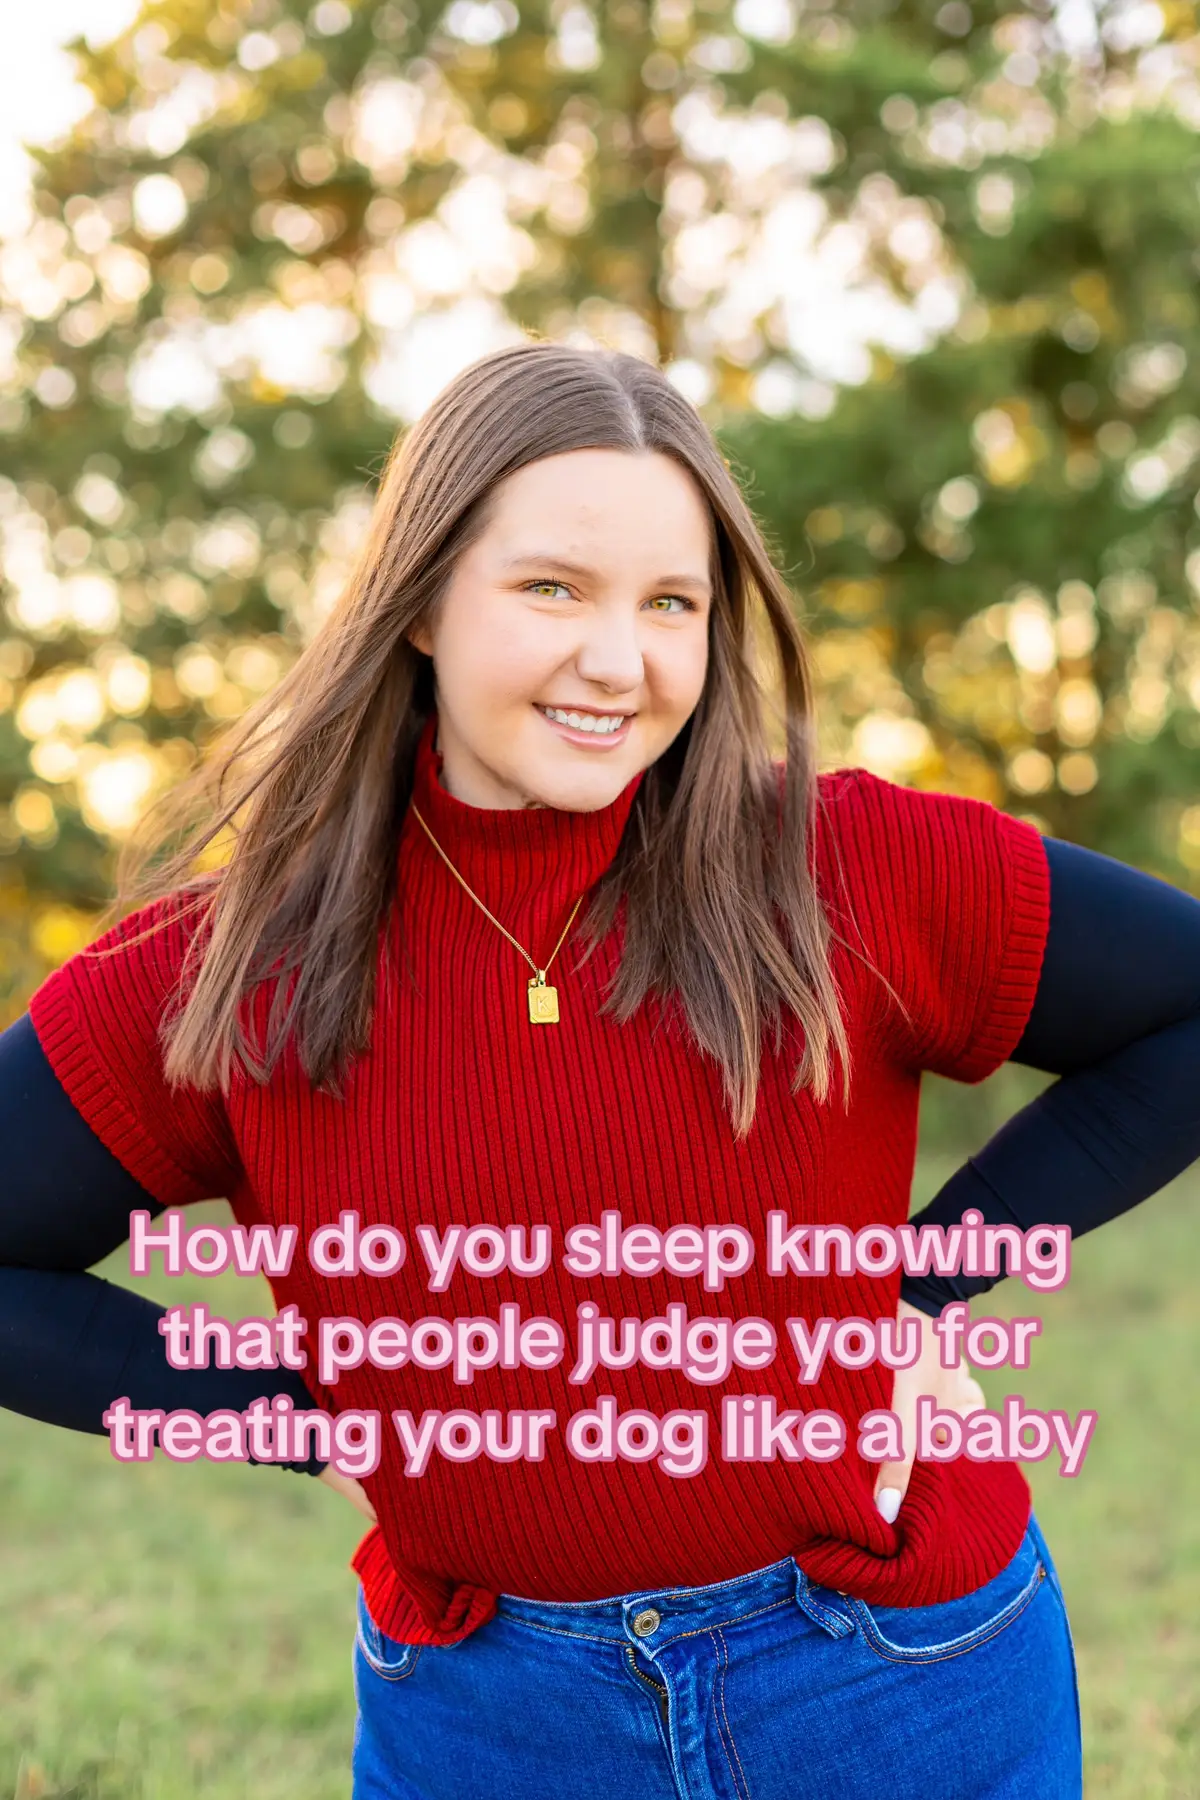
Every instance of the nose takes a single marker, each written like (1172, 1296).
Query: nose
(609, 652)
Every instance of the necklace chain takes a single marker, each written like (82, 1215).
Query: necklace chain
(539, 974)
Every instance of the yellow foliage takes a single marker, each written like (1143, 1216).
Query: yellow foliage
(57, 932)
(825, 525)
(854, 599)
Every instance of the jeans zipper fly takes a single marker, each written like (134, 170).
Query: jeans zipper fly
(657, 1686)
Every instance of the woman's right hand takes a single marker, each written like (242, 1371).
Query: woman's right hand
(353, 1490)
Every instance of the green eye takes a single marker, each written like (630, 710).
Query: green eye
(546, 583)
(657, 603)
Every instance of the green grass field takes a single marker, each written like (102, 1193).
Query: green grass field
(177, 1630)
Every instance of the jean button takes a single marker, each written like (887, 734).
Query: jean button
(646, 1622)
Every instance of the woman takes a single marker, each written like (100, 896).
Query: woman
(522, 926)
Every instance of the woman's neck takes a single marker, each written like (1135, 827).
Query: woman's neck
(535, 858)
(454, 787)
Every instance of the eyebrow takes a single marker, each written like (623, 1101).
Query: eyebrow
(574, 568)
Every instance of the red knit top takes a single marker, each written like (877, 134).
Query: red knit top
(463, 1111)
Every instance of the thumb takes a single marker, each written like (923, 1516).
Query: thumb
(891, 1484)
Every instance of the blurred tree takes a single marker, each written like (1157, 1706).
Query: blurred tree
(929, 272)
(997, 537)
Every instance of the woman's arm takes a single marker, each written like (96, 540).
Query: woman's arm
(1117, 1016)
(70, 1342)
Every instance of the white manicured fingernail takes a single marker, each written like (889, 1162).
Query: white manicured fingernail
(888, 1501)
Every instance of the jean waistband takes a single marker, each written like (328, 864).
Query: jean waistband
(650, 1618)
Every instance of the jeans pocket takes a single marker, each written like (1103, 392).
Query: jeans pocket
(924, 1634)
(392, 1660)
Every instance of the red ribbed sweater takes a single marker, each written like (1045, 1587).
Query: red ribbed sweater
(462, 1110)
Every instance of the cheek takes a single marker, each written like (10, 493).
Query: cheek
(493, 655)
(682, 671)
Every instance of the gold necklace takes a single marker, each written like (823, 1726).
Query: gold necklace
(543, 999)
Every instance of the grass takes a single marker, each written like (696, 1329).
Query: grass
(170, 1629)
(179, 1630)
(1123, 1338)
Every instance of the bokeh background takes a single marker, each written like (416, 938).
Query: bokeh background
(932, 272)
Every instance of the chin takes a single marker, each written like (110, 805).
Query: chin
(579, 791)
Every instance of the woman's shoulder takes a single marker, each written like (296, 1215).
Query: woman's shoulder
(856, 802)
(99, 1018)
(903, 851)
(166, 923)
(846, 781)
(850, 799)
(134, 964)
(948, 897)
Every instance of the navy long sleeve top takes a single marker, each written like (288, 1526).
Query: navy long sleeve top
(1116, 1017)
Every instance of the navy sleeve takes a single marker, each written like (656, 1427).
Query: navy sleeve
(1117, 1017)
(70, 1342)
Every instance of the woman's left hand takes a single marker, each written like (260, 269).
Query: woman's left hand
(352, 1490)
(955, 1390)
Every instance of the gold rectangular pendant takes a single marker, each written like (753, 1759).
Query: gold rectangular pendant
(543, 1004)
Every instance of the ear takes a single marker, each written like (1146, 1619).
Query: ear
(418, 636)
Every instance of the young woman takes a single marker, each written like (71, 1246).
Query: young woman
(521, 925)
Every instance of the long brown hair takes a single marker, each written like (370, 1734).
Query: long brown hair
(308, 789)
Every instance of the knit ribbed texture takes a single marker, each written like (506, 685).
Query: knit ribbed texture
(462, 1111)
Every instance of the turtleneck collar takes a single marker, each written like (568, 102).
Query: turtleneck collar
(527, 863)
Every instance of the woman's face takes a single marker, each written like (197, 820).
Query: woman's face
(588, 593)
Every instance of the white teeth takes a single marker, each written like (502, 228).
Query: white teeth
(586, 721)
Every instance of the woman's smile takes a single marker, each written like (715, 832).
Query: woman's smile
(590, 730)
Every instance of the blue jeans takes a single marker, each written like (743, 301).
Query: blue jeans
(767, 1687)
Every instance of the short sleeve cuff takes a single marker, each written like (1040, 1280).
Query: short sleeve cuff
(101, 1106)
(1005, 1011)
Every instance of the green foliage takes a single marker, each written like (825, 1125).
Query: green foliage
(988, 514)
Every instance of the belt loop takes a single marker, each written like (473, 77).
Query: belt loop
(827, 1617)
